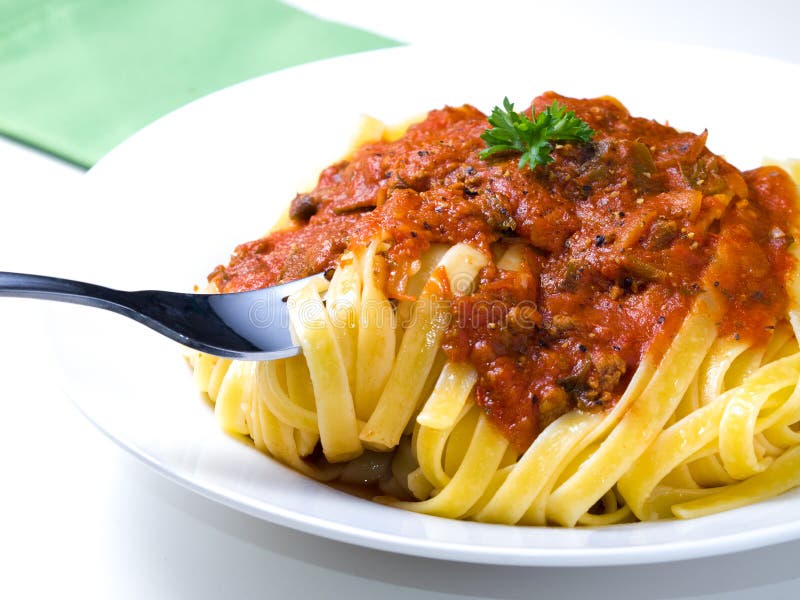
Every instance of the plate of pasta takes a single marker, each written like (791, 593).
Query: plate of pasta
(558, 323)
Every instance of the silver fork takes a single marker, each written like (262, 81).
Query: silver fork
(244, 325)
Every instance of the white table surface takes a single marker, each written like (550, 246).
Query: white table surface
(79, 518)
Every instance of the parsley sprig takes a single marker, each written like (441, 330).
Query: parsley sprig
(515, 132)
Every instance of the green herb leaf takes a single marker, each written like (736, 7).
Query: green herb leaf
(515, 132)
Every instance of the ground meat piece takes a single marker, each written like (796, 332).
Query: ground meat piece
(303, 207)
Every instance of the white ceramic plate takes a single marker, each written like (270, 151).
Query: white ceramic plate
(170, 203)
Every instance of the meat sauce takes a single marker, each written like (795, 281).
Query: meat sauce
(620, 234)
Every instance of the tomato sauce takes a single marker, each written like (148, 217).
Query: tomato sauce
(620, 235)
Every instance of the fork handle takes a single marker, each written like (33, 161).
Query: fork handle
(23, 285)
(205, 322)
(178, 316)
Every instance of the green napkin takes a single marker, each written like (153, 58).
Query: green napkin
(79, 76)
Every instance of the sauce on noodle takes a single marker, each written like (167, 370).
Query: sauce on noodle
(619, 234)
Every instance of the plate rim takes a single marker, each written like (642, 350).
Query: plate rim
(459, 552)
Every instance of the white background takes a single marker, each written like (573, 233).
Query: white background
(78, 518)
